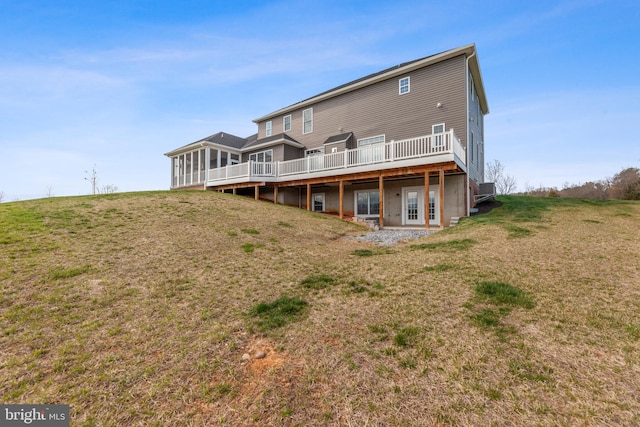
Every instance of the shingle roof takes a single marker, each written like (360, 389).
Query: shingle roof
(468, 50)
(339, 138)
(281, 137)
(226, 139)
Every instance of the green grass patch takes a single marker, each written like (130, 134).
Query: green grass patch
(250, 247)
(363, 252)
(318, 281)
(371, 252)
(517, 232)
(250, 231)
(439, 267)
(273, 315)
(406, 336)
(487, 318)
(66, 273)
(285, 224)
(527, 370)
(504, 293)
(451, 245)
(634, 330)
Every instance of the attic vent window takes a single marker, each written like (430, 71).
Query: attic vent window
(404, 85)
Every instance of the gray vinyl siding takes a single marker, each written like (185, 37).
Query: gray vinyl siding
(281, 152)
(476, 126)
(378, 109)
(341, 146)
(291, 153)
(278, 153)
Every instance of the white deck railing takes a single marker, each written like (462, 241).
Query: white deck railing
(422, 146)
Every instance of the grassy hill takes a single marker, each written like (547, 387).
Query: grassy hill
(137, 309)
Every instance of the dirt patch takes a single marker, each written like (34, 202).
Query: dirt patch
(272, 358)
(487, 206)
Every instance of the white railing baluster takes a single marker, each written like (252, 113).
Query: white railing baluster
(394, 150)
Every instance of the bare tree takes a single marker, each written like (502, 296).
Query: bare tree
(48, 192)
(108, 189)
(494, 172)
(92, 177)
(625, 184)
(1, 196)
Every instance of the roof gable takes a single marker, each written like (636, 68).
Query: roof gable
(469, 51)
(221, 138)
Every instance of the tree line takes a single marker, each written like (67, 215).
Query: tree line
(624, 185)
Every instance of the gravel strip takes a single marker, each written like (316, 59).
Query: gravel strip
(392, 237)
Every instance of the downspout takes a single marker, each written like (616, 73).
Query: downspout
(467, 71)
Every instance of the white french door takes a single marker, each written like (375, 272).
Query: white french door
(413, 206)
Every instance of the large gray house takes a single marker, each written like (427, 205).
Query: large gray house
(404, 146)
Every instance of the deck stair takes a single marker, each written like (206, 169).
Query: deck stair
(483, 198)
(454, 221)
(487, 192)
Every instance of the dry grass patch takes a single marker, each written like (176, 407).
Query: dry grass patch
(135, 309)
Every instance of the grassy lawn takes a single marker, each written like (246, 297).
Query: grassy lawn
(137, 309)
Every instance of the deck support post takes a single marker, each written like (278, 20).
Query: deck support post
(381, 201)
(426, 199)
(257, 192)
(308, 197)
(275, 194)
(341, 199)
(441, 187)
(233, 190)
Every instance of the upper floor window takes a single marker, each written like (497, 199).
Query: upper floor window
(269, 128)
(262, 156)
(307, 120)
(471, 88)
(404, 85)
(286, 123)
(369, 141)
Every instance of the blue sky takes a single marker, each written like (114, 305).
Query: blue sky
(116, 84)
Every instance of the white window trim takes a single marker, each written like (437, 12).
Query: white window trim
(303, 121)
(433, 128)
(269, 128)
(261, 152)
(313, 202)
(400, 85)
(284, 123)
(366, 141)
(355, 202)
